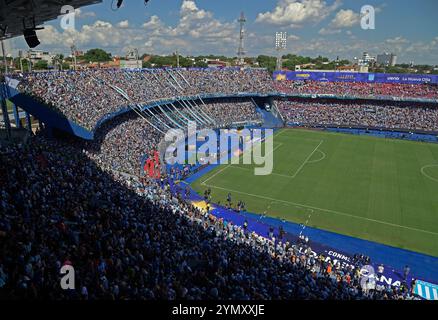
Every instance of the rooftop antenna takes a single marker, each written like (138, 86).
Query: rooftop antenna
(241, 50)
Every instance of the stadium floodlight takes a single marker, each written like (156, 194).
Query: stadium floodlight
(280, 44)
(73, 54)
(241, 50)
(280, 40)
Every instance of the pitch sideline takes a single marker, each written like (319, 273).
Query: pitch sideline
(322, 210)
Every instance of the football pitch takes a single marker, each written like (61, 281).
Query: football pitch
(377, 189)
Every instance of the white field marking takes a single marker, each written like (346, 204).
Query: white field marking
(279, 144)
(323, 210)
(426, 175)
(226, 167)
(262, 142)
(293, 137)
(248, 169)
(281, 131)
(318, 160)
(279, 174)
(300, 138)
(214, 175)
(307, 159)
(272, 151)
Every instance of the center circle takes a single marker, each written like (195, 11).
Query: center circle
(430, 171)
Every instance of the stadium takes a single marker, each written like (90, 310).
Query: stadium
(349, 211)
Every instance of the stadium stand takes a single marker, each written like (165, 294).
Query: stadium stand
(66, 201)
(359, 89)
(414, 117)
(133, 239)
(87, 96)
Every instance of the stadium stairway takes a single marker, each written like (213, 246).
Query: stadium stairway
(269, 120)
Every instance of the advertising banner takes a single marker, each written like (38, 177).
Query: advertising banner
(332, 76)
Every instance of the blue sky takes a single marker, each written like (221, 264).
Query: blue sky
(315, 27)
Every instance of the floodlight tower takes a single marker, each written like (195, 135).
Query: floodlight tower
(5, 61)
(73, 53)
(280, 44)
(241, 50)
(177, 58)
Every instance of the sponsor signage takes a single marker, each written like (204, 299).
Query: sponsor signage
(357, 77)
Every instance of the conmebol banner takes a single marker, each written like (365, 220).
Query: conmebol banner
(356, 77)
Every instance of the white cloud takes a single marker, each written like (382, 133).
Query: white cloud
(195, 25)
(100, 33)
(327, 31)
(196, 30)
(292, 37)
(345, 19)
(297, 12)
(123, 24)
(397, 40)
(80, 14)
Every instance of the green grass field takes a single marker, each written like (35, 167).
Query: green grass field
(382, 190)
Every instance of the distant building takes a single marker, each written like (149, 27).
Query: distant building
(130, 64)
(305, 66)
(387, 59)
(362, 69)
(216, 63)
(39, 55)
(346, 68)
(367, 60)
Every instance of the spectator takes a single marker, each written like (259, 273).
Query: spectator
(359, 89)
(354, 113)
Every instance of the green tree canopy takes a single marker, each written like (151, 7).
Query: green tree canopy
(201, 64)
(97, 55)
(41, 65)
(267, 62)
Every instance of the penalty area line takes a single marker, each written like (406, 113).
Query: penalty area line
(214, 175)
(323, 210)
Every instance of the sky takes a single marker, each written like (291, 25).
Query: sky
(329, 28)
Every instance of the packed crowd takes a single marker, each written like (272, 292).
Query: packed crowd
(87, 96)
(129, 237)
(359, 89)
(215, 113)
(121, 143)
(226, 113)
(133, 237)
(346, 113)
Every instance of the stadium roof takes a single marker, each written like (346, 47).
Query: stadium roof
(16, 15)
